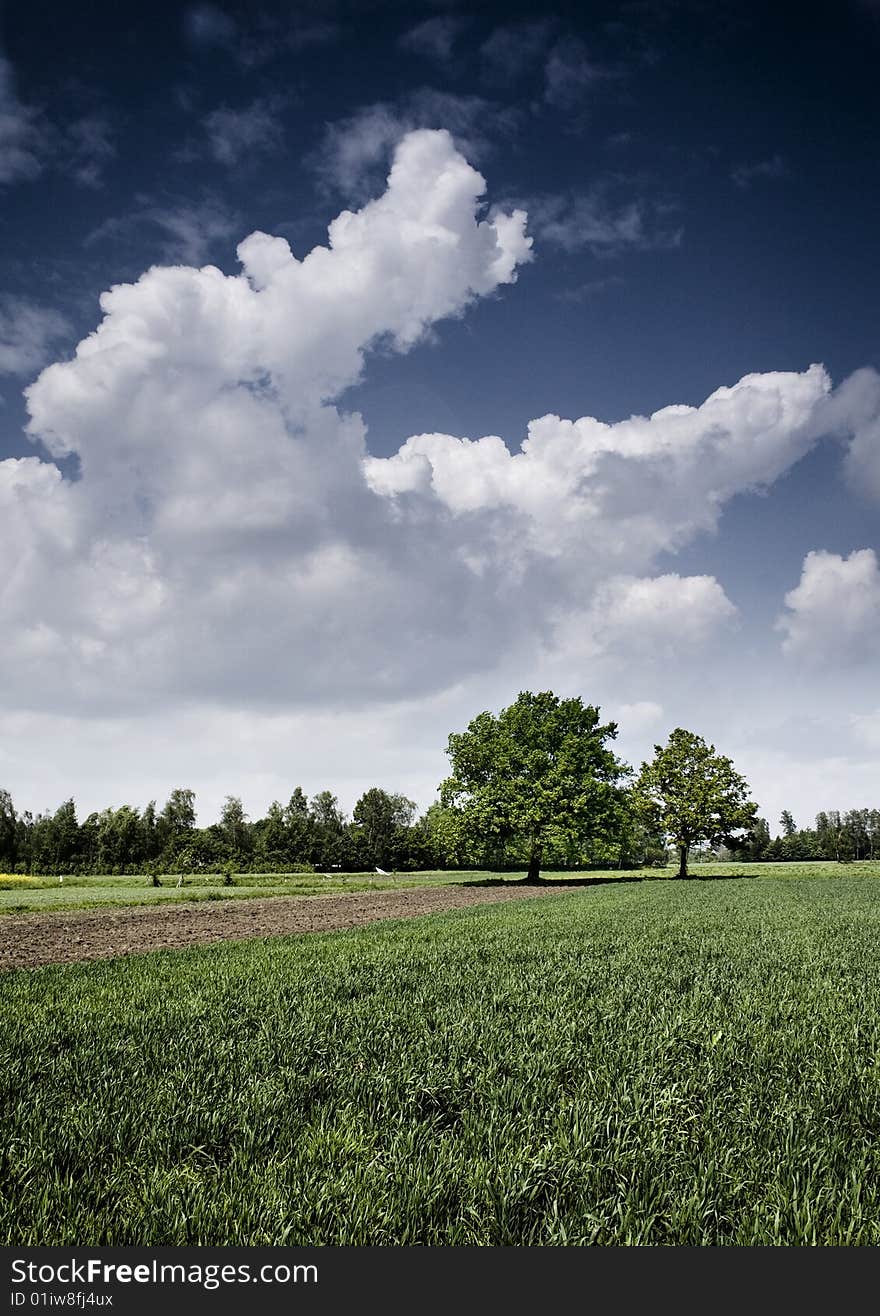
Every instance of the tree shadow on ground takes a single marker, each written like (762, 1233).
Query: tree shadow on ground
(565, 883)
(559, 883)
(717, 877)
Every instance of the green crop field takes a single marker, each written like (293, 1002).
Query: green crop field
(656, 1062)
(20, 894)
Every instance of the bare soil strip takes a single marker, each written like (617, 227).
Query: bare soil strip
(29, 940)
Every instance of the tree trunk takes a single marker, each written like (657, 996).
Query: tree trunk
(533, 876)
(683, 860)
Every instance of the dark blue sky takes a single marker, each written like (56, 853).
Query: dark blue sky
(701, 180)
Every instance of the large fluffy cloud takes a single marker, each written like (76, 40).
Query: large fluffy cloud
(222, 540)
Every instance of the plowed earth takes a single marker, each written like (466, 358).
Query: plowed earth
(30, 940)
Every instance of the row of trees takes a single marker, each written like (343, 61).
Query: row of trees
(839, 836)
(300, 834)
(534, 786)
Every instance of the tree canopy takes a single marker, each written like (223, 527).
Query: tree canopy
(538, 773)
(380, 817)
(692, 794)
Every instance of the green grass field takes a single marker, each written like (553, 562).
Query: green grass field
(20, 895)
(646, 1063)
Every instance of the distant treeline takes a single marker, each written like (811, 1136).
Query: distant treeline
(841, 836)
(382, 831)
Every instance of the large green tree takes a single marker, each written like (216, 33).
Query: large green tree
(692, 794)
(539, 774)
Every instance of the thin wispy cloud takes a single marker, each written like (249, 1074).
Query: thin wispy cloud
(192, 231)
(24, 135)
(183, 231)
(89, 147)
(259, 38)
(590, 289)
(236, 135)
(353, 156)
(572, 74)
(745, 175)
(595, 222)
(29, 335)
(435, 38)
(32, 143)
(206, 25)
(355, 150)
(512, 50)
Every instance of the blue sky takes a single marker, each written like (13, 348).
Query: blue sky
(232, 564)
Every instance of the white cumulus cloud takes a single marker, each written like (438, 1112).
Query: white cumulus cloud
(222, 537)
(617, 494)
(659, 616)
(833, 614)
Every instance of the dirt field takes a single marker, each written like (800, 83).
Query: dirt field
(29, 940)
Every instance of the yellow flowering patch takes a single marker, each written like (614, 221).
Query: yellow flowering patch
(17, 879)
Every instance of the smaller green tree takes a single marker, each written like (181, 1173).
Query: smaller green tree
(692, 794)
